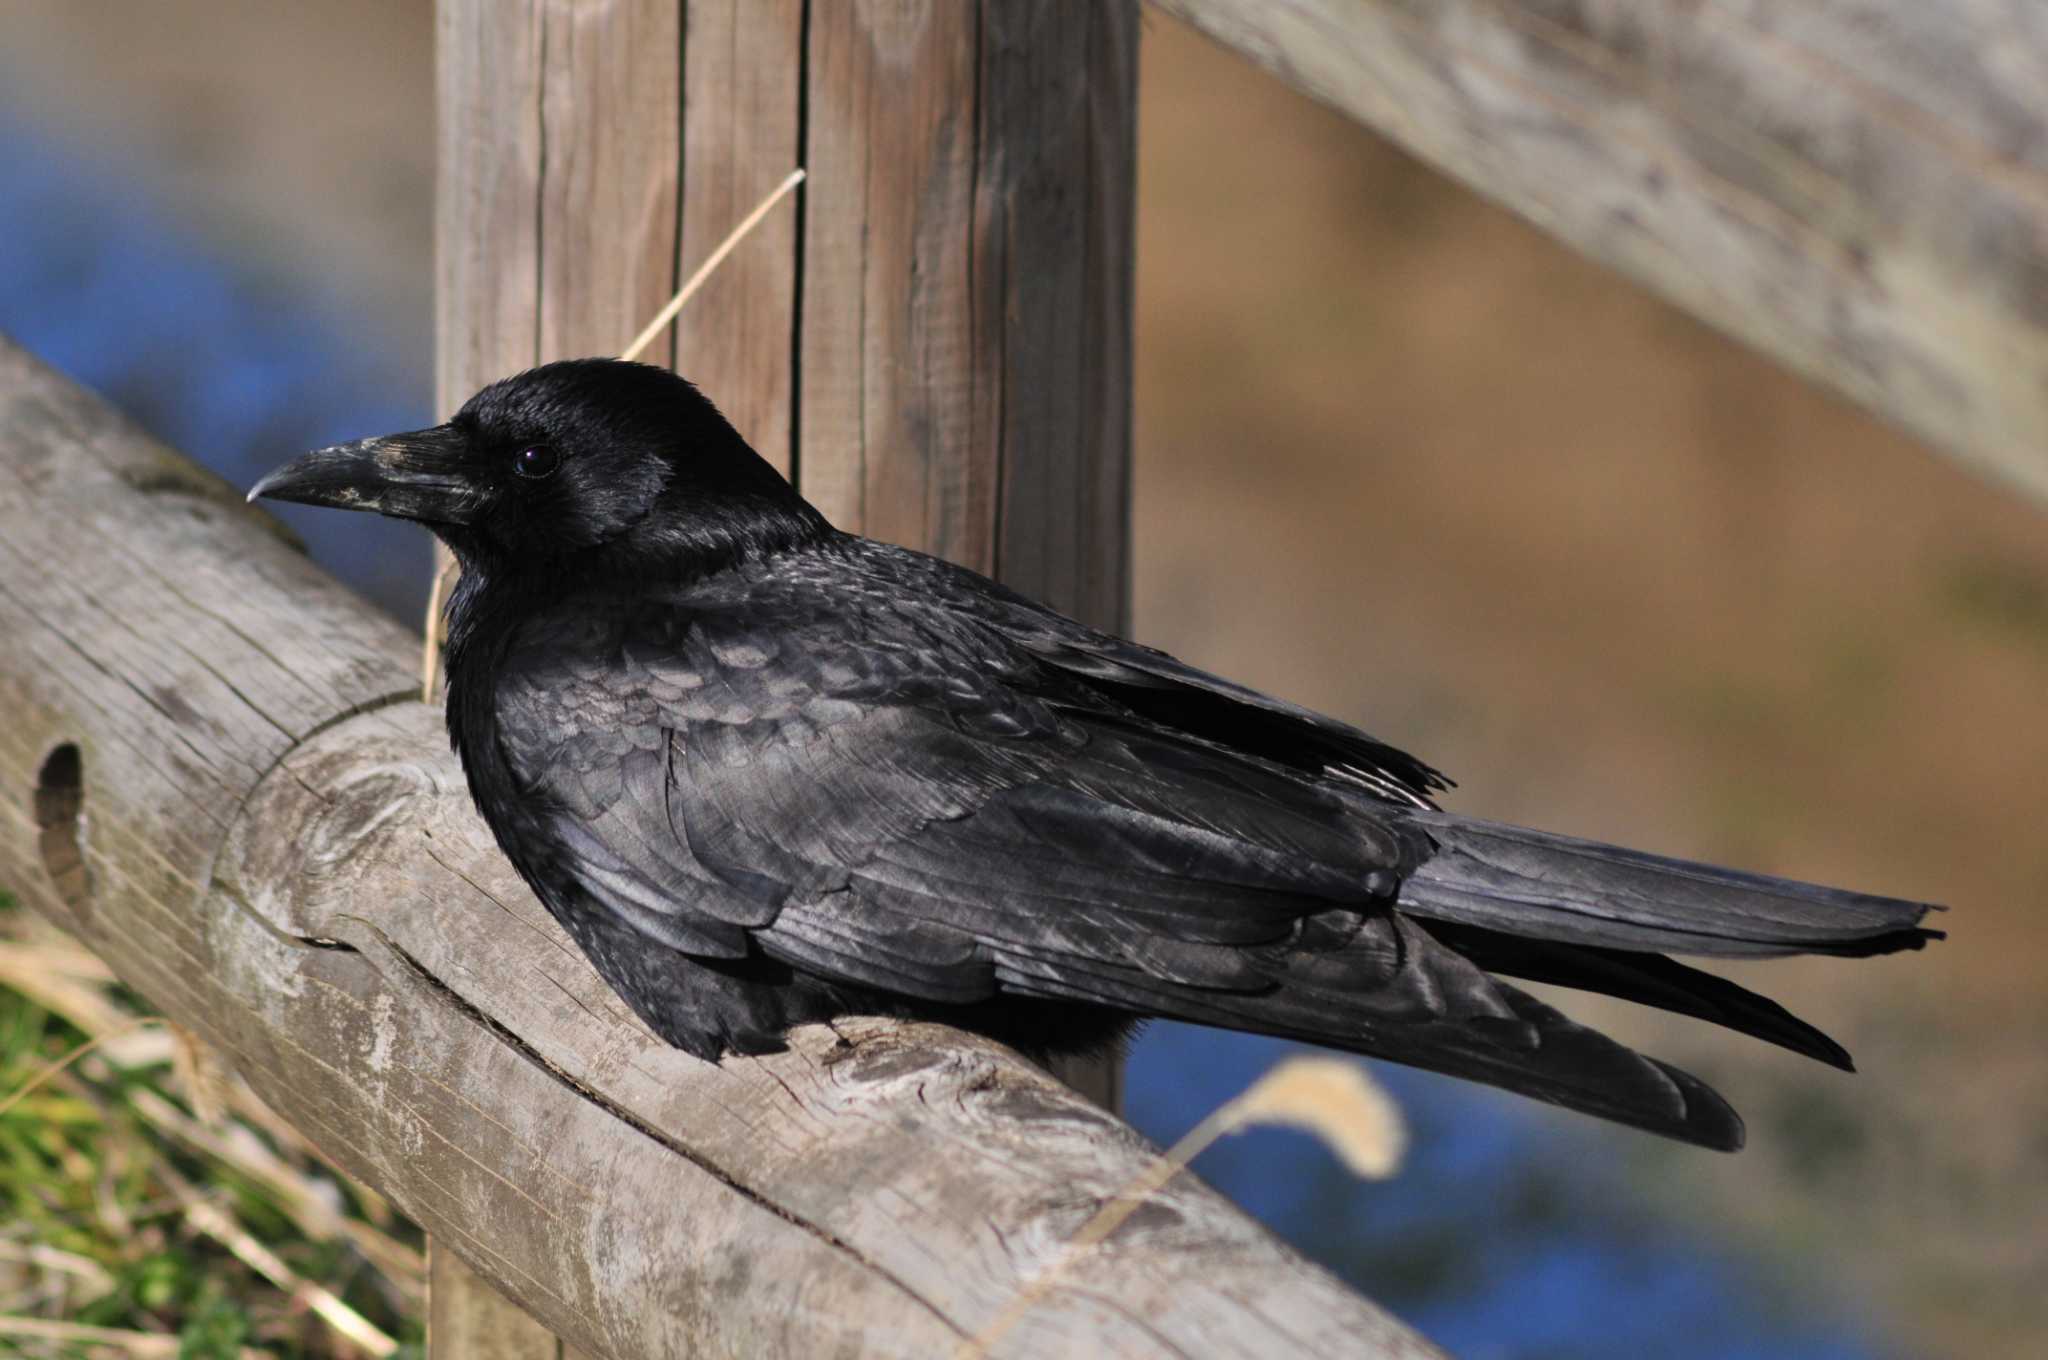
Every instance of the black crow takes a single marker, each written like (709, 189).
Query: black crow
(767, 773)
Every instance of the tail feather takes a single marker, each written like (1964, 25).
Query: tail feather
(1582, 1069)
(1541, 886)
(1540, 1053)
(1410, 999)
(1647, 979)
(1418, 985)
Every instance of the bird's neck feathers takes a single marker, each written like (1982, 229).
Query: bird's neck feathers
(692, 531)
(696, 532)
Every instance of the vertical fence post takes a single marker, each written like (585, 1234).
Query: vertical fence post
(935, 344)
(963, 336)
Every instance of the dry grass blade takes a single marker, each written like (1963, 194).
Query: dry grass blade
(199, 1074)
(37, 1256)
(64, 981)
(1329, 1097)
(143, 1345)
(72, 984)
(711, 263)
(51, 1069)
(209, 1218)
(38, 944)
(430, 645)
(1334, 1100)
(294, 1195)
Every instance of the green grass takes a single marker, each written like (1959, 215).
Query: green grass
(97, 1186)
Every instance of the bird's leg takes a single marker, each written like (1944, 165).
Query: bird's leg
(842, 1047)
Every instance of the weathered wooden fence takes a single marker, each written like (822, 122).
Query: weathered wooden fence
(214, 770)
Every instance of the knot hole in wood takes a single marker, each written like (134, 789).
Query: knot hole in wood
(60, 815)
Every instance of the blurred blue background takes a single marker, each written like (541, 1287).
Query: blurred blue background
(234, 371)
(1620, 577)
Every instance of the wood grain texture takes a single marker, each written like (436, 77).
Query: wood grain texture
(948, 344)
(560, 158)
(467, 1318)
(1055, 207)
(1858, 188)
(965, 345)
(487, 196)
(281, 854)
(887, 378)
(610, 153)
(742, 97)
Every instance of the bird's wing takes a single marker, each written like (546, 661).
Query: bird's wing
(1169, 692)
(882, 789)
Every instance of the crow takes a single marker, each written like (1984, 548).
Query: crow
(767, 773)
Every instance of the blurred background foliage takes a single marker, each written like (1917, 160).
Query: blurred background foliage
(1399, 458)
(132, 1226)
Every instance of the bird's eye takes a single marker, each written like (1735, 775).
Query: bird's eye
(536, 461)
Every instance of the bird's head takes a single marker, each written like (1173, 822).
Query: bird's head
(573, 464)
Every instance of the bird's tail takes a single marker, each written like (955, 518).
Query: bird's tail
(1534, 885)
(1417, 986)
(1553, 909)
(1382, 985)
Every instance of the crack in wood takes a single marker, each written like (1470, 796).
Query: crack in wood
(518, 1046)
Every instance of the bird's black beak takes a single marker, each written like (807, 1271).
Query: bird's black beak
(420, 475)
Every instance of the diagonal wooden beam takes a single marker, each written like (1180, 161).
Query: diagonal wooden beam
(1858, 188)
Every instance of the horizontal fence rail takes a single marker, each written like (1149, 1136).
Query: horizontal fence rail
(1858, 188)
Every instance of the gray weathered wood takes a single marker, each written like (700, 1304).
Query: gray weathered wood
(965, 341)
(468, 1318)
(279, 852)
(1859, 188)
(742, 98)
